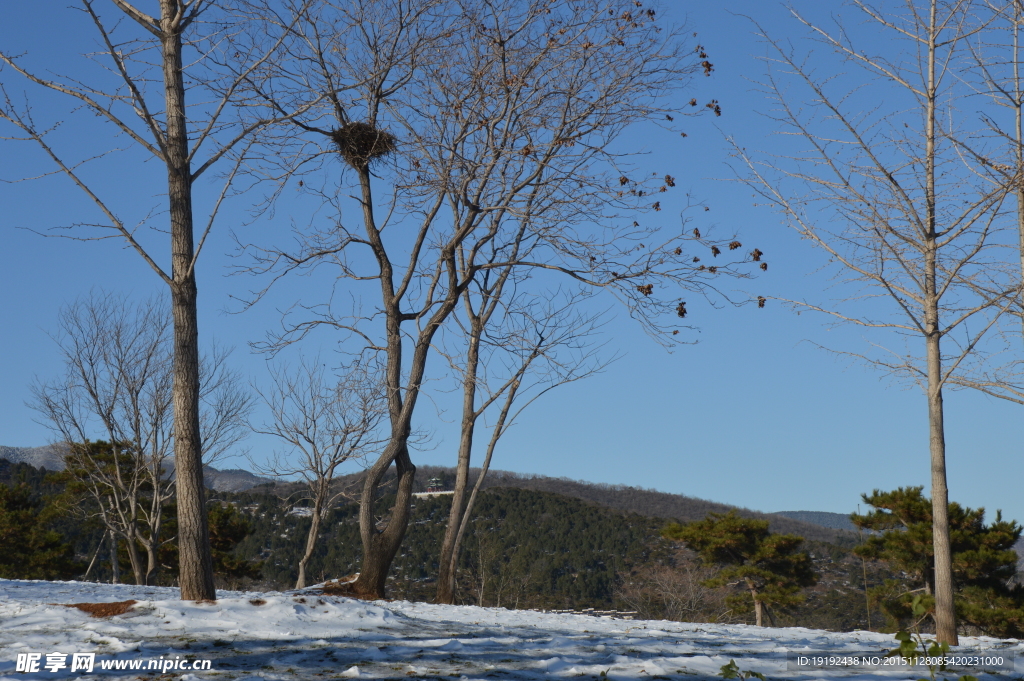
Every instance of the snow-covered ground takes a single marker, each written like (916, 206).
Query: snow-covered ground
(304, 636)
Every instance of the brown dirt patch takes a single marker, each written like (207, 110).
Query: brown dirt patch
(257, 601)
(337, 588)
(102, 609)
(344, 587)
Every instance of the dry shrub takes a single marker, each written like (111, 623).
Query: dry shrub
(360, 143)
(674, 593)
(103, 609)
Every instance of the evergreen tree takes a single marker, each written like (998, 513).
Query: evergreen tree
(770, 565)
(228, 527)
(984, 562)
(31, 550)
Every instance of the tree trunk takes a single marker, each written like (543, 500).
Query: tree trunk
(153, 542)
(758, 606)
(447, 562)
(314, 531)
(499, 428)
(380, 547)
(134, 558)
(115, 568)
(151, 564)
(195, 559)
(945, 615)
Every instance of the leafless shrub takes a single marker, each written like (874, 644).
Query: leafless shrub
(675, 593)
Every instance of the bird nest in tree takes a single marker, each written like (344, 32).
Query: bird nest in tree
(360, 143)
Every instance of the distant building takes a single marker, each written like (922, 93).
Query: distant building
(435, 487)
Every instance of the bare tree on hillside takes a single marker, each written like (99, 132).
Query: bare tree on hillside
(147, 68)
(117, 386)
(468, 128)
(896, 202)
(327, 422)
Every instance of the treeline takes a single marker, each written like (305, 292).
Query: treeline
(645, 502)
(527, 548)
(49, 531)
(524, 548)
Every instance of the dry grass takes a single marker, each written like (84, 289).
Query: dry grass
(102, 609)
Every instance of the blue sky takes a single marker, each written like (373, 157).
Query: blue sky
(753, 414)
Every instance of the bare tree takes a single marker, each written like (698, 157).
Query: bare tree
(326, 422)
(140, 90)
(997, 56)
(918, 226)
(995, 73)
(516, 348)
(117, 386)
(675, 593)
(471, 128)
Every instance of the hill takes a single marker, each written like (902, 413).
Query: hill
(524, 548)
(819, 526)
(51, 457)
(647, 502)
(837, 521)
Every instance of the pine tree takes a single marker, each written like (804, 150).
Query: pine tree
(770, 565)
(984, 562)
(228, 527)
(31, 550)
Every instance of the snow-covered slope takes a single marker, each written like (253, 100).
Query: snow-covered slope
(305, 636)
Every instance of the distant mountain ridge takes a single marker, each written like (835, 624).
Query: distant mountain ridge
(816, 525)
(51, 457)
(653, 503)
(837, 521)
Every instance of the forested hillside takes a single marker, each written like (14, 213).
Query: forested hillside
(540, 549)
(525, 548)
(646, 502)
